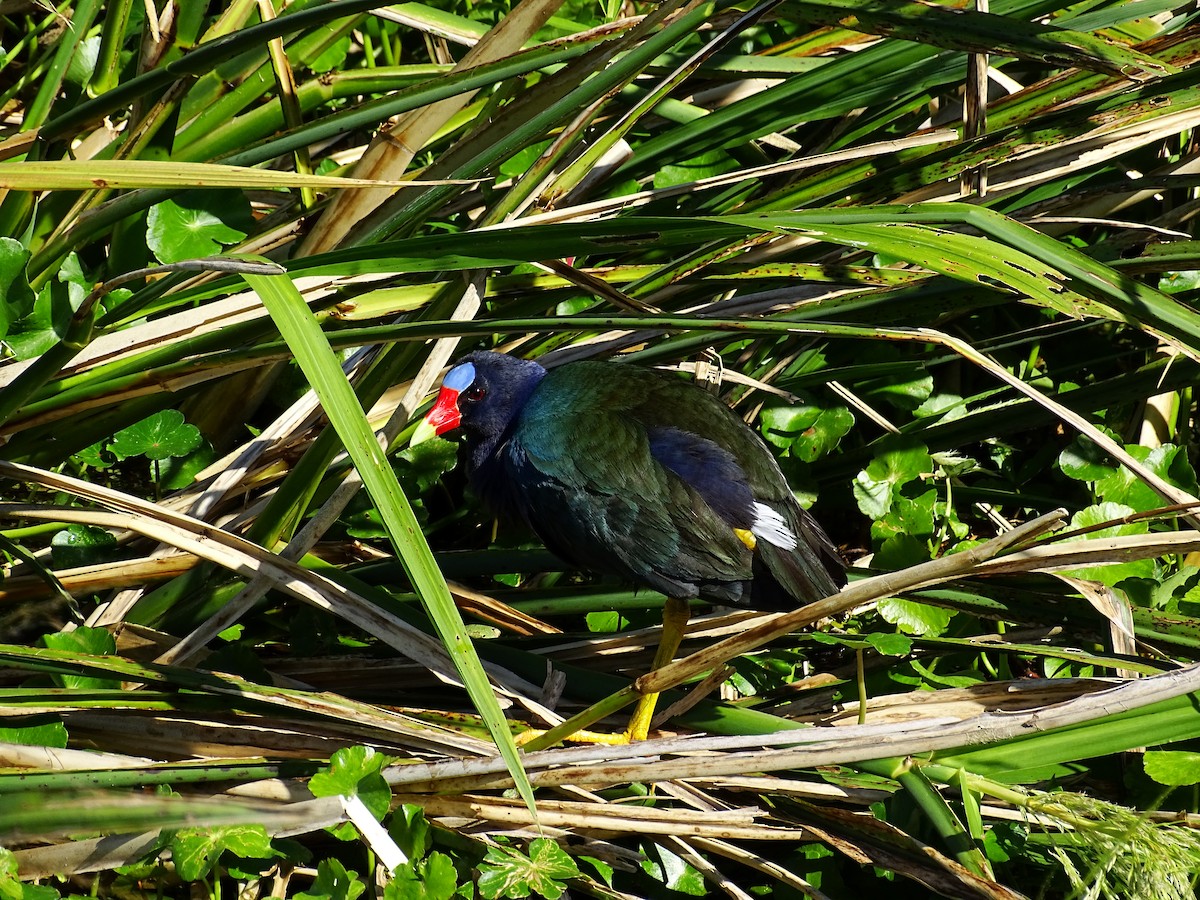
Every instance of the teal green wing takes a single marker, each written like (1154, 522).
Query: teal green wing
(593, 490)
(794, 559)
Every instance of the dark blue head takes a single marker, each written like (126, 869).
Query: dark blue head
(483, 394)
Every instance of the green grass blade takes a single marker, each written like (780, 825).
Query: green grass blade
(971, 31)
(302, 333)
(1058, 753)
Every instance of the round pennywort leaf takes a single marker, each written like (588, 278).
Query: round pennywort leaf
(159, 436)
(197, 224)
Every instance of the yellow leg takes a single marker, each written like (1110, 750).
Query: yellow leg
(675, 618)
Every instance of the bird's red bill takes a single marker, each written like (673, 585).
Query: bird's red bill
(444, 416)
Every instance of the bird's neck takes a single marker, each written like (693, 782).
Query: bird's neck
(486, 447)
(490, 480)
(485, 458)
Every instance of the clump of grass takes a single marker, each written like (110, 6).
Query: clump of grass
(1116, 852)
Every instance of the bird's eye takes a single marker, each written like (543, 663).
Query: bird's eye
(474, 393)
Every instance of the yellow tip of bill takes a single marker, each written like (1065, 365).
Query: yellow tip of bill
(423, 432)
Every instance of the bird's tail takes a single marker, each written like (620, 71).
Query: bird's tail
(809, 571)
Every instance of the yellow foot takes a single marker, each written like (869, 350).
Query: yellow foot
(581, 737)
(639, 728)
(675, 618)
